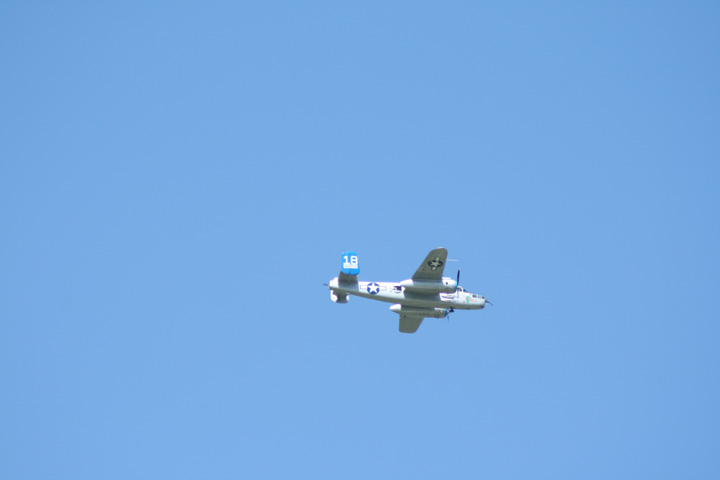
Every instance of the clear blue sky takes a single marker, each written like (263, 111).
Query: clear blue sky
(178, 180)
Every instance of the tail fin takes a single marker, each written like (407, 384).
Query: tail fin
(350, 268)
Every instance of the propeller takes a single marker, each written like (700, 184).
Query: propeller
(457, 285)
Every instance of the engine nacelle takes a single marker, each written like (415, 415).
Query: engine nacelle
(446, 285)
(420, 312)
(339, 297)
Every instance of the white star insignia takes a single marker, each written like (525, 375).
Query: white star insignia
(434, 264)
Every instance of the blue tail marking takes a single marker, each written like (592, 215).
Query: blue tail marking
(350, 265)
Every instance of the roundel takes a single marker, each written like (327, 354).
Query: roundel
(373, 288)
(435, 263)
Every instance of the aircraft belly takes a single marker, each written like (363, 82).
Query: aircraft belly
(381, 296)
(429, 301)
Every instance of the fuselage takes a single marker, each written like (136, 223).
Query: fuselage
(391, 292)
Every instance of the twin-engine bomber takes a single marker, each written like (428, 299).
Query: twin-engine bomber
(426, 294)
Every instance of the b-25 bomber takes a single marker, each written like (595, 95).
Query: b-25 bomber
(426, 295)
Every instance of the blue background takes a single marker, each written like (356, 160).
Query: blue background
(178, 179)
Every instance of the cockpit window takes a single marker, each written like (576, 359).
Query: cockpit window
(475, 295)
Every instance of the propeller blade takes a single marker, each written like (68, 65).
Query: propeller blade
(457, 282)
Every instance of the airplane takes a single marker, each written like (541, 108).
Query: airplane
(426, 295)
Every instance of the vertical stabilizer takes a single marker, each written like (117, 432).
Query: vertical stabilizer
(350, 268)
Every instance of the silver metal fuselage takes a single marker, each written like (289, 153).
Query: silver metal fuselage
(396, 293)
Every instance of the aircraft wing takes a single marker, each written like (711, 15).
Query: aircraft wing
(410, 323)
(433, 266)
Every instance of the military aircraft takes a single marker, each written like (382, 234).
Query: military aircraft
(426, 294)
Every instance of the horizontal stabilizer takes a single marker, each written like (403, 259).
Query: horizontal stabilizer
(339, 297)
